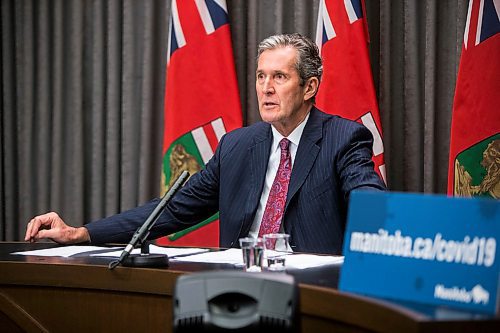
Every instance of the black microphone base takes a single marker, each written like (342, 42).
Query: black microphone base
(146, 260)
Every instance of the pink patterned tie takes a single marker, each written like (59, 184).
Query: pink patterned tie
(275, 206)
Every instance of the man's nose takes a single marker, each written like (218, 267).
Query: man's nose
(267, 87)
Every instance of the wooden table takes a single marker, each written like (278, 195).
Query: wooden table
(80, 294)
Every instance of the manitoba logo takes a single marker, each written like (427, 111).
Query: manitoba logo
(477, 294)
(477, 169)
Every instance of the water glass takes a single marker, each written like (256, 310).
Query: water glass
(276, 249)
(253, 252)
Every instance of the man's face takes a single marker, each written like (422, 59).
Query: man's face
(281, 98)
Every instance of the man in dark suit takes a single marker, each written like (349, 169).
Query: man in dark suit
(293, 172)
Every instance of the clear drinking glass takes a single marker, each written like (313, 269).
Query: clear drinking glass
(253, 252)
(275, 250)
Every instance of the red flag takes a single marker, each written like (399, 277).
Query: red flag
(474, 168)
(346, 87)
(201, 99)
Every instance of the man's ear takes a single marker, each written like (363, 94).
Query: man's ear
(310, 88)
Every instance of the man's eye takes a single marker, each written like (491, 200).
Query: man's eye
(279, 78)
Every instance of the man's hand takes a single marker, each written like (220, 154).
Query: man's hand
(51, 226)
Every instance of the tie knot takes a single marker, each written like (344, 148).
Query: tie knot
(284, 144)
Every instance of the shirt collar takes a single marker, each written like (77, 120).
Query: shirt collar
(294, 137)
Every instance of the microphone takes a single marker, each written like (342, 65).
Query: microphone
(143, 231)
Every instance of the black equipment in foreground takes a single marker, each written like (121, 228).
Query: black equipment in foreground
(235, 301)
(145, 259)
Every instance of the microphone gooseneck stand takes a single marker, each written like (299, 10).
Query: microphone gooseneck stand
(146, 259)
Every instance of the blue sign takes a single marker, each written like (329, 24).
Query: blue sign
(425, 248)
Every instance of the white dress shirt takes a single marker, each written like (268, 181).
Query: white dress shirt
(272, 168)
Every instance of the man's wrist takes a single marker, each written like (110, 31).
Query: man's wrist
(82, 235)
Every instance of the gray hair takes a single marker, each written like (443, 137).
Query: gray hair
(308, 63)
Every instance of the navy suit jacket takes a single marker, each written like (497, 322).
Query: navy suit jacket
(333, 158)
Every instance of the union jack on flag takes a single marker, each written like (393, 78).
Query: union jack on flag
(325, 30)
(213, 14)
(486, 23)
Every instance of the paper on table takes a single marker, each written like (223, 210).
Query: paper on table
(170, 251)
(63, 251)
(301, 261)
(99, 251)
(235, 257)
(230, 256)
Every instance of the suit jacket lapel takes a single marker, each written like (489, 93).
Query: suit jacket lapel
(259, 157)
(306, 153)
